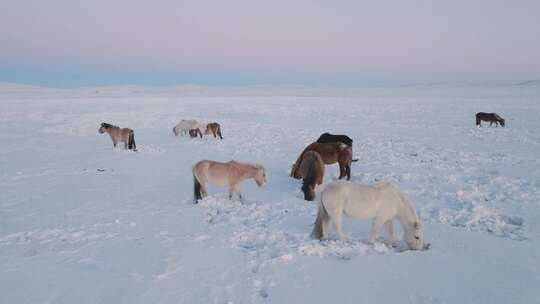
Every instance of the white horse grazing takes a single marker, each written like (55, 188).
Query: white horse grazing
(183, 127)
(382, 203)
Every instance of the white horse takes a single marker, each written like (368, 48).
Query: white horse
(183, 127)
(382, 203)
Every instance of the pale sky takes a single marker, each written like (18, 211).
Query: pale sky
(77, 43)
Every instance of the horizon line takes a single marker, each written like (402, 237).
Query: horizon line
(525, 82)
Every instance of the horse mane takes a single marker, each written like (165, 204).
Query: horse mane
(299, 159)
(408, 205)
(109, 126)
(382, 183)
(252, 165)
(256, 166)
(404, 199)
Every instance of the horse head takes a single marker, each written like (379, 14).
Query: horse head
(308, 187)
(414, 236)
(260, 176)
(103, 127)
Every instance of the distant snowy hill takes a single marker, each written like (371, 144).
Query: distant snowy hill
(534, 82)
(11, 90)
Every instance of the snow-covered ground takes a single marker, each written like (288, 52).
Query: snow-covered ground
(81, 222)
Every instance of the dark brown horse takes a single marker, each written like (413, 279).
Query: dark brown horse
(312, 172)
(195, 132)
(213, 128)
(330, 154)
(490, 117)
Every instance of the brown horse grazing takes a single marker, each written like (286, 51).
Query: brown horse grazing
(330, 154)
(312, 172)
(490, 117)
(229, 174)
(195, 132)
(125, 135)
(213, 128)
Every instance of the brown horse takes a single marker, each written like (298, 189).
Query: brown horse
(330, 154)
(124, 135)
(213, 128)
(229, 174)
(312, 172)
(195, 132)
(490, 117)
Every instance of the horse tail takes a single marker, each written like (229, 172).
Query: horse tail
(322, 218)
(219, 132)
(131, 140)
(196, 189)
(478, 119)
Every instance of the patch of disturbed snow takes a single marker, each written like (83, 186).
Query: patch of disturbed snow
(259, 230)
(275, 233)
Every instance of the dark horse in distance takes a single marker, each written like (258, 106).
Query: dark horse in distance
(327, 138)
(490, 117)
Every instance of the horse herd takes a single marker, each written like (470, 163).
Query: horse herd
(193, 128)
(382, 202)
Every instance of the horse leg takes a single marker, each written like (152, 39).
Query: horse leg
(126, 144)
(232, 190)
(390, 230)
(113, 139)
(375, 228)
(337, 226)
(204, 189)
(204, 192)
(341, 171)
(325, 222)
(219, 133)
(348, 170)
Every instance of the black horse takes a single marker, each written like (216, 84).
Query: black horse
(490, 117)
(327, 138)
